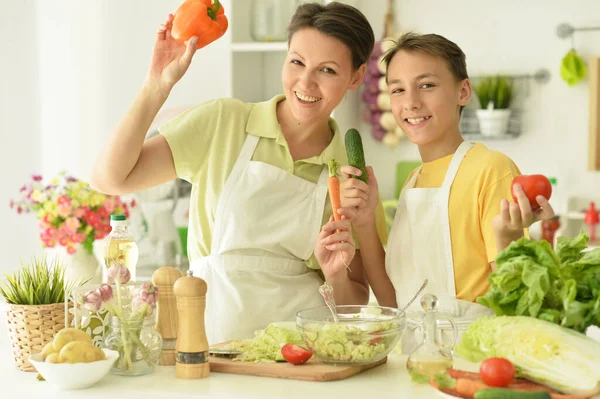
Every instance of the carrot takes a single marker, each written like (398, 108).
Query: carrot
(463, 387)
(333, 184)
(519, 384)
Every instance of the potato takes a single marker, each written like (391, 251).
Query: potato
(66, 335)
(48, 350)
(53, 358)
(80, 352)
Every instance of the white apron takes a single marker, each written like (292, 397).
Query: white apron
(419, 245)
(266, 224)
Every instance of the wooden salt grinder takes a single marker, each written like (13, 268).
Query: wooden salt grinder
(167, 316)
(192, 345)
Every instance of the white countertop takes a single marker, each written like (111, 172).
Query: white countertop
(389, 380)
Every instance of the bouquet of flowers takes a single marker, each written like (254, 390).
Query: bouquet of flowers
(131, 309)
(69, 211)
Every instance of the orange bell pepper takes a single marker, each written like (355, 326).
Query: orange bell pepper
(199, 18)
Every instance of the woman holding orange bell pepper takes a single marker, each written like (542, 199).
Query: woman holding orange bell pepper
(199, 18)
(259, 227)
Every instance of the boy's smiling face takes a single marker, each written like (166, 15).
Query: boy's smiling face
(426, 97)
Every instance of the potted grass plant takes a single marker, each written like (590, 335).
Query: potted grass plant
(35, 306)
(495, 94)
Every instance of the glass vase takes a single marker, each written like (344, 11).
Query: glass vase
(138, 343)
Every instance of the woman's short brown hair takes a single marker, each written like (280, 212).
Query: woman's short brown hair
(342, 21)
(434, 45)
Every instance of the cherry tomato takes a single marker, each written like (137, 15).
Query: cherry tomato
(533, 185)
(497, 372)
(295, 354)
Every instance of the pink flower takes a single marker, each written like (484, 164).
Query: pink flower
(71, 250)
(149, 293)
(63, 200)
(118, 273)
(78, 213)
(64, 210)
(36, 177)
(72, 224)
(79, 237)
(92, 301)
(105, 292)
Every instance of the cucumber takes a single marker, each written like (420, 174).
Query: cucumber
(355, 152)
(505, 393)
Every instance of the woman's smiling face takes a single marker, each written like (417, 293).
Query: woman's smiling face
(317, 74)
(425, 96)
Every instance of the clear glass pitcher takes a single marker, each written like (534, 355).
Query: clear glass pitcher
(435, 354)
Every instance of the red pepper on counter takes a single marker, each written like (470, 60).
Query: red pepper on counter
(199, 18)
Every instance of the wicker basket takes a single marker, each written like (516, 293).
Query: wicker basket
(30, 327)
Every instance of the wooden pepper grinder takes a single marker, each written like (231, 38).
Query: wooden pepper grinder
(166, 309)
(192, 345)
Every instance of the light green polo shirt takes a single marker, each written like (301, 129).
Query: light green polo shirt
(206, 141)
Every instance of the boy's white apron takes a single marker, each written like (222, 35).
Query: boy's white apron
(419, 245)
(255, 272)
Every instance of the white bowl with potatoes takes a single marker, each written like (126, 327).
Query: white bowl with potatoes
(71, 361)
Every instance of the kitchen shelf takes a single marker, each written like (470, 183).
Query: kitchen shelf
(469, 126)
(259, 47)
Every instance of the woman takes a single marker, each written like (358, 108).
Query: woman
(259, 174)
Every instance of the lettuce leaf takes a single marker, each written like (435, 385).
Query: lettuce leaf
(561, 287)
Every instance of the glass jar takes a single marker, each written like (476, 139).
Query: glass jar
(270, 19)
(120, 247)
(138, 343)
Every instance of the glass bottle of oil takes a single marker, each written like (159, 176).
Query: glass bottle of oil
(429, 358)
(120, 247)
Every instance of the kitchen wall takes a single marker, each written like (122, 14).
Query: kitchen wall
(515, 37)
(69, 70)
(19, 125)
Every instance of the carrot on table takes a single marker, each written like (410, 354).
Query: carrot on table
(462, 387)
(519, 384)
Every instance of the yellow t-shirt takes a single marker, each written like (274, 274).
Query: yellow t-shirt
(483, 179)
(206, 141)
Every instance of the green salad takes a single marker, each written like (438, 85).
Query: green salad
(266, 345)
(346, 342)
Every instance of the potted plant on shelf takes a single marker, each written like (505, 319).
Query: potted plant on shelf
(71, 216)
(495, 94)
(35, 307)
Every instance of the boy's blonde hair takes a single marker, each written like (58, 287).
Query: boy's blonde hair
(434, 45)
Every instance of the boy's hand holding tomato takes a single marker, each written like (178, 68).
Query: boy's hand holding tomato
(361, 198)
(523, 212)
(335, 248)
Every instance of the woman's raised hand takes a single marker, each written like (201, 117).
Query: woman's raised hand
(170, 59)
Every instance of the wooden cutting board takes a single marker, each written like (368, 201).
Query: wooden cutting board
(313, 370)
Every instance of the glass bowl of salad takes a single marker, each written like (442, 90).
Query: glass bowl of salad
(362, 334)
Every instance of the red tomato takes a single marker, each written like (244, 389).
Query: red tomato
(497, 372)
(295, 354)
(533, 185)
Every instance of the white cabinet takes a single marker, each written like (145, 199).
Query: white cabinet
(256, 66)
